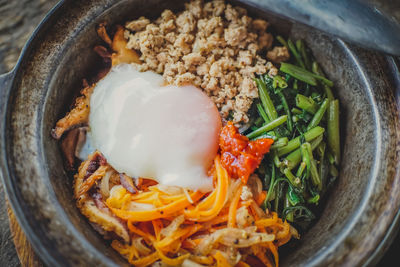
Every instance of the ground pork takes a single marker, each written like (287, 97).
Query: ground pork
(214, 46)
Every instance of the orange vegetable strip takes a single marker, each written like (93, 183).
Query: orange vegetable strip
(222, 191)
(222, 188)
(193, 229)
(157, 225)
(267, 222)
(145, 261)
(285, 232)
(217, 220)
(137, 231)
(171, 261)
(204, 204)
(221, 260)
(264, 259)
(274, 252)
(161, 212)
(171, 238)
(261, 197)
(242, 264)
(202, 259)
(233, 207)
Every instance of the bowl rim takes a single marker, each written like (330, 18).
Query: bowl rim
(10, 189)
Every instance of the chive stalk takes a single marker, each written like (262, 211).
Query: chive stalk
(266, 100)
(295, 143)
(268, 127)
(306, 103)
(333, 135)
(318, 115)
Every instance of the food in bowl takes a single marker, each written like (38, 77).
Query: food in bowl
(191, 137)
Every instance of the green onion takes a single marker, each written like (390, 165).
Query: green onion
(268, 127)
(296, 55)
(266, 100)
(262, 113)
(295, 143)
(282, 41)
(333, 134)
(318, 115)
(294, 158)
(306, 103)
(304, 75)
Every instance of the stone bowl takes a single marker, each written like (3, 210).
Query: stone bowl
(358, 220)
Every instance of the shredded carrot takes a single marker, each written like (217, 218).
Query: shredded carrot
(274, 251)
(139, 232)
(148, 215)
(221, 260)
(261, 197)
(192, 218)
(145, 261)
(157, 225)
(171, 261)
(233, 207)
(264, 259)
(267, 222)
(242, 264)
(202, 259)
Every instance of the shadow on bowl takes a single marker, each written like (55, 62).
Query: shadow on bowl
(358, 213)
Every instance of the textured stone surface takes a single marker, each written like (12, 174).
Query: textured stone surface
(18, 19)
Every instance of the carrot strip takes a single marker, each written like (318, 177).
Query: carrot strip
(261, 197)
(202, 259)
(274, 252)
(267, 222)
(171, 238)
(264, 259)
(242, 264)
(145, 261)
(171, 261)
(161, 212)
(233, 208)
(221, 260)
(157, 225)
(137, 231)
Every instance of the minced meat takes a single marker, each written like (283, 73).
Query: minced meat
(213, 46)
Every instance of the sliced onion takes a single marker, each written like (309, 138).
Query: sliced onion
(173, 226)
(143, 250)
(105, 184)
(233, 237)
(170, 190)
(135, 206)
(243, 217)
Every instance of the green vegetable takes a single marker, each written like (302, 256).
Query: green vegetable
(298, 110)
(268, 127)
(296, 54)
(304, 75)
(295, 143)
(306, 103)
(266, 100)
(318, 115)
(333, 130)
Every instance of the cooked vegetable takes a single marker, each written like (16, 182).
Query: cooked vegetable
(298, 110)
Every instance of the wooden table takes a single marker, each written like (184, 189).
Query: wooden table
(18, 18)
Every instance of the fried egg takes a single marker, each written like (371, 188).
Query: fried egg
(149, 130)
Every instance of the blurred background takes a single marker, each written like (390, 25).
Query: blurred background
(18, 18)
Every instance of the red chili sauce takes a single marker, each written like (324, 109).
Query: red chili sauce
(240, 156)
